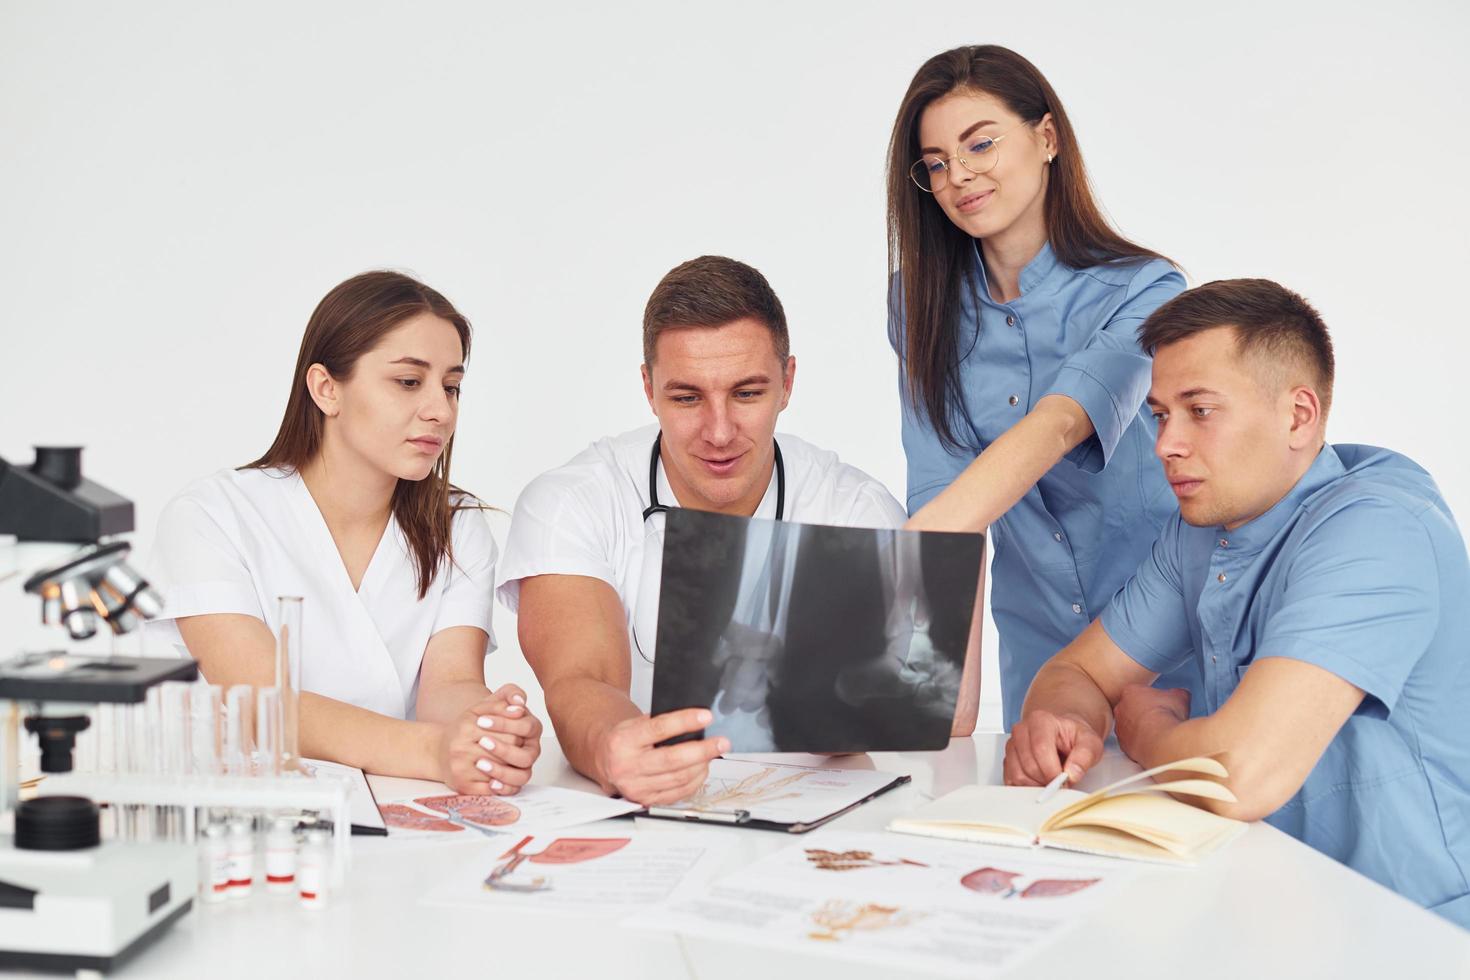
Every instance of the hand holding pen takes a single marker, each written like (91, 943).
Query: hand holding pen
(1044, 747)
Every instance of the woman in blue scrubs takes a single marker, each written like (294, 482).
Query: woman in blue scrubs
(1014, 309)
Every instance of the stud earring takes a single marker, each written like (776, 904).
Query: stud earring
(1048, 158)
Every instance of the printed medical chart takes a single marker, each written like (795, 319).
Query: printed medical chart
(591, 874)
(963, 909)
(454, 816)
(784, 794)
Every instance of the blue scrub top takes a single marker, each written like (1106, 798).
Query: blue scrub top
(1067, 546)
(1361, 571)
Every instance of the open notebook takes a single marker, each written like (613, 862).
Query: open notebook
(1132, 818)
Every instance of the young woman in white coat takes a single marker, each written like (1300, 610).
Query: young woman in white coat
(352, 509)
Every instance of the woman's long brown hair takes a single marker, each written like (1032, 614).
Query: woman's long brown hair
(347, 323)
(931, 257)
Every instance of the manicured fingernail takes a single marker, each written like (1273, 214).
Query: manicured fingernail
(485, 721)
(484, 765)
(486, 744)
(724, 746)
(518, 699)
(704, 717)
(513, 709)
(496, 784)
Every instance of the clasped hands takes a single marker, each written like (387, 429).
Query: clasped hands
(1043, 744)
(490, 748)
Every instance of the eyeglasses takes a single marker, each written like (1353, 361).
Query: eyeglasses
(978, 155)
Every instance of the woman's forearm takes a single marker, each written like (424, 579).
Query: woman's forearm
(1007, 469)
(375, 743)
(442, 703)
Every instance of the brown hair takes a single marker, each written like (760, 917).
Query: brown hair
(711, 291)
(1270, 321)
(347, 323)
(930, 256)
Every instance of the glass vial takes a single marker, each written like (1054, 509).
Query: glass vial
(214, 882)
(280, 857)
(312, 870)
(241, 858)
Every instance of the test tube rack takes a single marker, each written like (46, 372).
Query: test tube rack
(323, 792)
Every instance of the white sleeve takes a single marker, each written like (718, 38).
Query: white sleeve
(557, 530)
(874, 506)
(468, 598)
(198, 564)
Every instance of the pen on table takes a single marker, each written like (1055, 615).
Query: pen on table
(1051, 788)
(690, 813)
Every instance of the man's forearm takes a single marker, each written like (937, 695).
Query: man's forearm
(583, 711)
(1161, 739)
(1064, 689)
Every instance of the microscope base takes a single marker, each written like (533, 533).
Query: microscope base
(90, 909)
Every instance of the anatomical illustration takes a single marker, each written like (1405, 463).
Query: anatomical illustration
(1001, 884)
(487, 811)
(563, 850)
(724, 794)
(851, 860)
(837, 919)
(402, 817)
(1057, 887)
(991, 881)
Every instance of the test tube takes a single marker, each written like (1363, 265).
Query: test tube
(206, 706)
(178, 728)
(239, 729)
(140, 824)
(268, 731)
(152, 759)
(289, 657)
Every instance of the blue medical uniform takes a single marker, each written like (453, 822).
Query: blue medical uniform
(1072, 541)
(1361, 571)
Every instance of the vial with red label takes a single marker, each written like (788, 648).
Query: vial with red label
(214, 882)
(280, 857)
(242, 858)
(313, 867)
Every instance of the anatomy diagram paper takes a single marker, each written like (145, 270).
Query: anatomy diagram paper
(962, 909)
(455, 816)
(588, 874)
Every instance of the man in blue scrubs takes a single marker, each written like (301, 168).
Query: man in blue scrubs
(1323, 592)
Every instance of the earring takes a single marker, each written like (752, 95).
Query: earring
(1048, 158)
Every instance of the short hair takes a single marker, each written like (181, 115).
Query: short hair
(1270, 321)
(711, 291)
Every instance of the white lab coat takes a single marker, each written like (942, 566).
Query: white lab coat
(586, 518)
(235, 541)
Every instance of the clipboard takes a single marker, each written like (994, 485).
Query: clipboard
(367, 821)
(744, 818)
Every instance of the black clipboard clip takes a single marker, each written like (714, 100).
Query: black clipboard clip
(734, 817)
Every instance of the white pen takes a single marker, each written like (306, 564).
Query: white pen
(1051, 788)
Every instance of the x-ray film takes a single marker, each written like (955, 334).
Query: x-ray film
(809, 638)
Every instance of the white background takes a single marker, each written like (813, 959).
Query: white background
(180, 182)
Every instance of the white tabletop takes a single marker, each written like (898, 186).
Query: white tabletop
(1265, 906)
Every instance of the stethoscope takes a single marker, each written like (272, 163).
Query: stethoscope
(654, 507)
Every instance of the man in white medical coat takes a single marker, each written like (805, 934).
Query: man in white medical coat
(582, 561)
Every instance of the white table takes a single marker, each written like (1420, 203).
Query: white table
(1266, 906)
